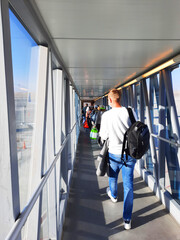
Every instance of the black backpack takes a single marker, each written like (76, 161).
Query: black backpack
(136, 139)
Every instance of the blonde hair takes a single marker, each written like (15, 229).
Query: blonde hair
(115, 95)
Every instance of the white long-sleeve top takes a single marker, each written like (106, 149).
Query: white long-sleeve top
(114, 124)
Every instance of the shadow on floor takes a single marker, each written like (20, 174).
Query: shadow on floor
(90, 215)
(84, 216)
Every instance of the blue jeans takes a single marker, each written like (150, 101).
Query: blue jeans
(115, 165)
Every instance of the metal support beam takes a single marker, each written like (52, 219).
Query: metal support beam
(39, 57)
(149, 122)
(9, 188)
(162, 131)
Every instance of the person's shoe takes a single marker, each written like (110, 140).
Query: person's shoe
(127, 225)
(108, 191)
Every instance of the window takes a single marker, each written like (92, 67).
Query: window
(137, 95)
(144, 102)
(176, 89)
(128, 96)
(77, 112)
(25, 99)
(154, 102)
(154, 107)
(44, 231)
(171, 159)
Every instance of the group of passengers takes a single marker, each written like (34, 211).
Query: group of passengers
(92, 114)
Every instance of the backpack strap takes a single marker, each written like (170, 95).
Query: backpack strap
(124, 148)
(131, 115)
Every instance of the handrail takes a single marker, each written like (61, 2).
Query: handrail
(165, 140)
(19, 223)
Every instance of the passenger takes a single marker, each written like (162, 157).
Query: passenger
(90, 108)
(84, 113)
(93, 111)
(84, 110)
(114, 124)
(88, 118)
(94, 116)
(98, 118)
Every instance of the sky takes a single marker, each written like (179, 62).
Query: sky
(21, 44)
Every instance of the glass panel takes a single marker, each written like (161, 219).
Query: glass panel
(176, 89)
(167, 184)
(148, 86)
(137, 95)
(45, 157)
(48, 213)
(156, 142)
(105, 102)
(128, 97)
(144, 103)
(77, 112)
(44, 231)
(171, 152)
(154, 110)
(47, 223)
(148, 161)
(24, 93)
(171, 172)
(27, 230)
(148, 158)
(169, 131)
(124, 98)
(154, 103)
(57, 104)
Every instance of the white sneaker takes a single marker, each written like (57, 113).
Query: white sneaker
(108, 191)
(127, 225)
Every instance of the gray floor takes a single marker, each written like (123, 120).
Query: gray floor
(91, 215)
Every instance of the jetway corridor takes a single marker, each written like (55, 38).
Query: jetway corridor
(91, 215)
(57, 56)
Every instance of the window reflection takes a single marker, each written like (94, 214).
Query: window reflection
(171, 153)
(137, 94)
(176, 89)
(154, 107)
(171, 172)
(154, 103)
(25, 94)
(44, 230)
(77, 112)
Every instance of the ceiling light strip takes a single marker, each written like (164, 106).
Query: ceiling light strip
(159, 68)
(154, 70)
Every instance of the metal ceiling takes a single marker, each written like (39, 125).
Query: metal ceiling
(104, 43)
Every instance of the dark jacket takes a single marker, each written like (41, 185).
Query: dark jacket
(103, 159)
